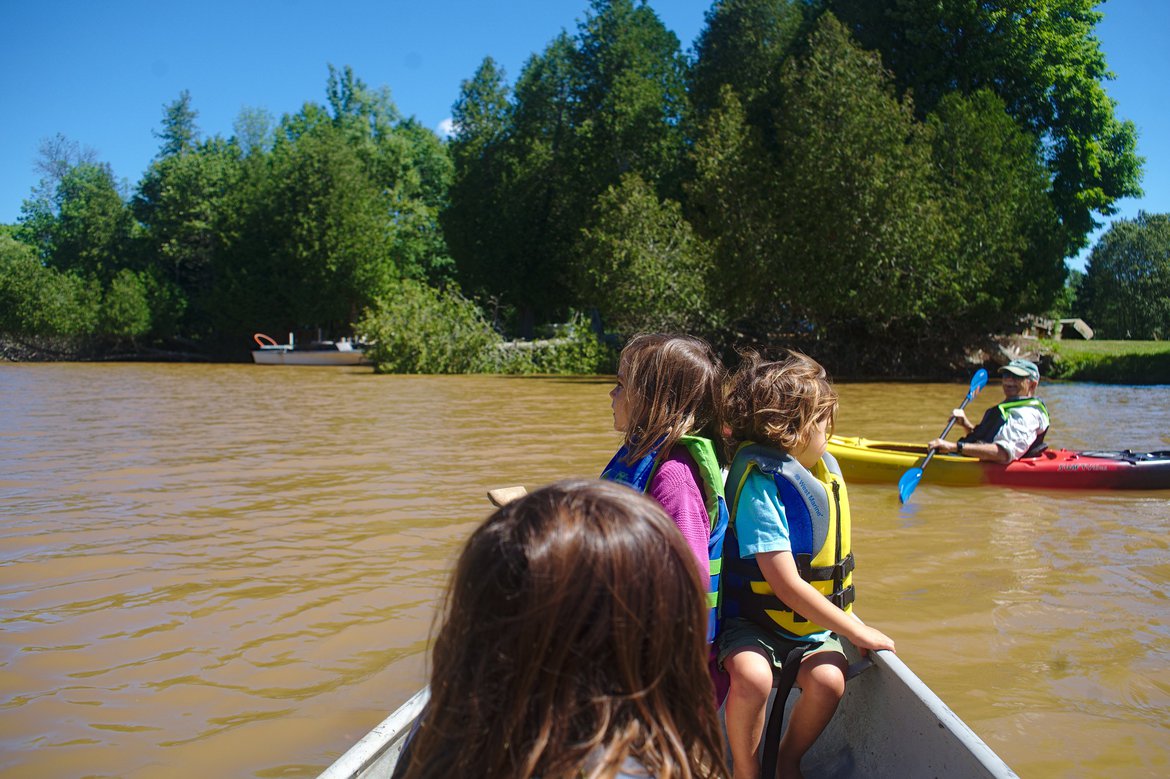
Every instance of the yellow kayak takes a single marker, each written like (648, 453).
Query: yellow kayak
(867, 460)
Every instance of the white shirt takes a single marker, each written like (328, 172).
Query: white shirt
(1019, 431)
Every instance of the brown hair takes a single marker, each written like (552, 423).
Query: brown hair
(778, 402)
(672, 384)
(574, 639)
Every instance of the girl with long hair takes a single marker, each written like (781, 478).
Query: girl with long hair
(665, 403)
(573, 646)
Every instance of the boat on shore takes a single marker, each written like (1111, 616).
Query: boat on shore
(343, 352)
(889, 725)
(865, 460)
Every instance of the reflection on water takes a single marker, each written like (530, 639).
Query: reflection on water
(232, 570)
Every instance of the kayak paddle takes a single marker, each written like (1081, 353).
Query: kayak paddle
(909, 481)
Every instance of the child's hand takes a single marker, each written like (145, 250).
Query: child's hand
(868, 638)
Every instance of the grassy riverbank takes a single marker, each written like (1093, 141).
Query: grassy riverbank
(1113, 362)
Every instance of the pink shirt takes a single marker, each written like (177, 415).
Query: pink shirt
(676, 487)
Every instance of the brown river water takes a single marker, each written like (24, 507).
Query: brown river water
(232, 570)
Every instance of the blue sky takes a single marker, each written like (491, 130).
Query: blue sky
(100, 71)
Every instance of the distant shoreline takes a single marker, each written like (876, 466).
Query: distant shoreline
(1106, 362)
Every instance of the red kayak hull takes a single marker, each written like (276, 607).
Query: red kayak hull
(1065, 469)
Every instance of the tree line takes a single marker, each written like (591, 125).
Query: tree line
(881, 182)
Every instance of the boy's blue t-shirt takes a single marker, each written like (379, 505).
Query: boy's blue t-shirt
(761, 525)
(760, 522)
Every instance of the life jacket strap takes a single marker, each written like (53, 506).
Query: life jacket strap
(771, 602)
(844, 598)
(824, 573)
(785, 680)
(839, 599)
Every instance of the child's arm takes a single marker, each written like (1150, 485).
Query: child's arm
(779, 569)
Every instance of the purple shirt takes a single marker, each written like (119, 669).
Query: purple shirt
(676, 487)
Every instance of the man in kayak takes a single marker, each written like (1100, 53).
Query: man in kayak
(1013, 429)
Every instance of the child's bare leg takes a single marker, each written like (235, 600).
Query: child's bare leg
(821, 680)
(751, 681)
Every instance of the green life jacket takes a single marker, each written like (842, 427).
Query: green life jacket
(995, 418)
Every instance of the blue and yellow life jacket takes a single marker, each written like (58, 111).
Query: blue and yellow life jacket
(637, 475)
(816, 506)
(995, 418)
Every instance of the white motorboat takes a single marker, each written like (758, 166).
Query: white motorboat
(342, 352)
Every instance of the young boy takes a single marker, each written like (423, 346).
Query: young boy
(787, 564)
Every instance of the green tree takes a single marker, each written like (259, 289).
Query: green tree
(37, 301)
(419, 329)
(1042, 59)
(56, 156)
(325, 225)
(1126, 289)
(364, 112)
(836, 213)
(730, 203)
(742, 46)
(475, 222)
(252, 131)
(834, 220)
(179, 133)
(418, 184)
(641, 265)
(322, 216)
(1067, 302)
(125, 311)
(856, 210)
(999, 259)
(84, 226)
(527, 179)
(183, 203)
(587, 110)
(408, 160)
(630, 100)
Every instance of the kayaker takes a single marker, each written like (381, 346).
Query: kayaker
(572, 646)
(788, 503)
(665, 404)
(1013, 429)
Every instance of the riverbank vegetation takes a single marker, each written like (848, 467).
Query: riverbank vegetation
(882, 183)
(1125, 362)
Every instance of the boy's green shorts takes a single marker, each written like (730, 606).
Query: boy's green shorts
(738, 633)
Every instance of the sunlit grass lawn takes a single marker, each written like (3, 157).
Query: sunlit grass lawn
(1118, 362)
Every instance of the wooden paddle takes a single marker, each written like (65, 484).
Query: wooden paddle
(909, 481)
(503, 495)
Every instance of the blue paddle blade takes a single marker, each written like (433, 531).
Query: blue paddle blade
(978, 382)
(908, 483)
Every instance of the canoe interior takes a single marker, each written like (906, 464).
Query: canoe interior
(889, 724)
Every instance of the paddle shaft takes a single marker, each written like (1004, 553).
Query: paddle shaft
(930, 452)
(909, 481)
